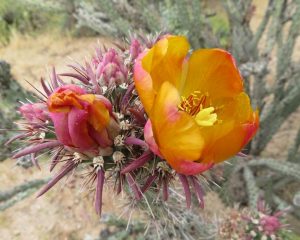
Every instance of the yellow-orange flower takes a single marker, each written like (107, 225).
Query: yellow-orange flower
(197, 108)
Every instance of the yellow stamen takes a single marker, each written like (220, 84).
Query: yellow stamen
(197, 105)
(206, 117)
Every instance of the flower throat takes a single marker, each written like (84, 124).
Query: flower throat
(194, 105)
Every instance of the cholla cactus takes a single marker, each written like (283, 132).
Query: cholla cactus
(122, 120)
(254, 225)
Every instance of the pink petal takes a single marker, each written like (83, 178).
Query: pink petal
(101, 138)
(251, 128)
(149, 138)
(193, 168)
(78, 128)
(60, 121)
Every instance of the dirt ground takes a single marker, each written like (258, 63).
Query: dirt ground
(66, 212)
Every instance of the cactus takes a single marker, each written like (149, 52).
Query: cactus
(10, 93)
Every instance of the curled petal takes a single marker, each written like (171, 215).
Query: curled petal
(78, 127)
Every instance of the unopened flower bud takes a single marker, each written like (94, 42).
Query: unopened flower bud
(111, 68)
(135, 48)
(36, 112)
(83, 121)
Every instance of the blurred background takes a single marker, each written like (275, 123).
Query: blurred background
(261, 34)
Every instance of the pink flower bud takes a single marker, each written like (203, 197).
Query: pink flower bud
(83, 121)
(111, 68)
(34, 112)
(135, 48)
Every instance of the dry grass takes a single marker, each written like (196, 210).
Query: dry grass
(33, 57)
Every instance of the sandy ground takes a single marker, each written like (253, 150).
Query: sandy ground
(34, 57)
(66, 212)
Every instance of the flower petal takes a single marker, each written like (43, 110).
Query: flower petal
(238, 125)
(60, 121)
(98, 115)
(176, 133)
(163, 62)
(78, 127)
(233, 142)
(149, 138)
(101, 138)
(225, 147)
(251, 127)
(192, 168)
(213, 71)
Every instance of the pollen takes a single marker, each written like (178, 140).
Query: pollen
(198, 106)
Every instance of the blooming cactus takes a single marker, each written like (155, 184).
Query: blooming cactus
(83, 121)
(196, 104)
(196, 115)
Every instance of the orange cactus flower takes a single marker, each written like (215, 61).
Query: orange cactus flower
(199, 114)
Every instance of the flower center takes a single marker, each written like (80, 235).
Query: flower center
(196, 105)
